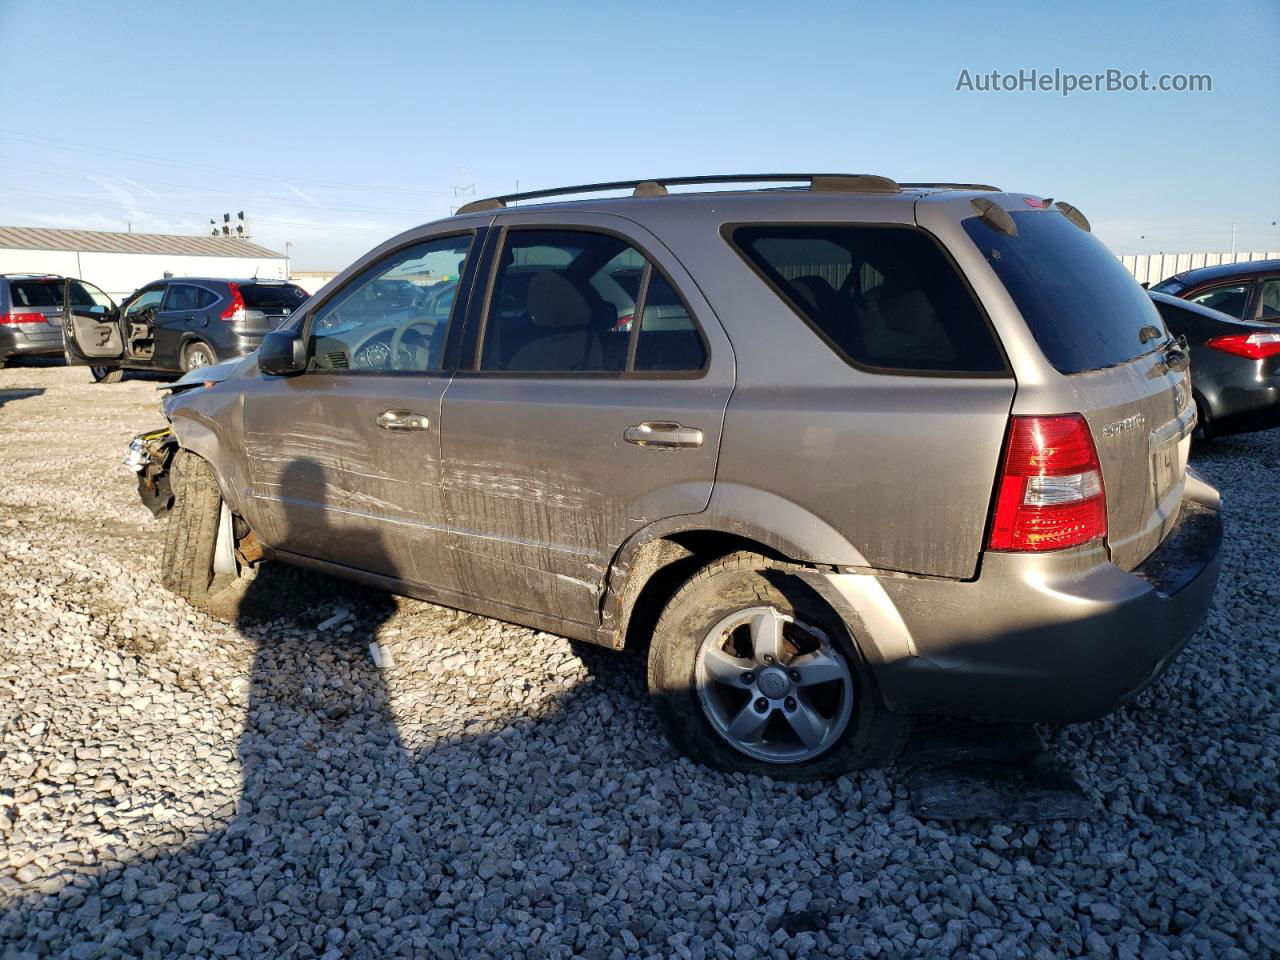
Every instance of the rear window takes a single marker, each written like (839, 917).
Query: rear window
(35, 293)
(1171, 286)
(1083, 307)
(272, 297)
(882, 297)
(48, 293)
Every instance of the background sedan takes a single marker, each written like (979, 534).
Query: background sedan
(1235, 366)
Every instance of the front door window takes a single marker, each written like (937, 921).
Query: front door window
(394, 317)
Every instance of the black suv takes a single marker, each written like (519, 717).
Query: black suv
(182, 323)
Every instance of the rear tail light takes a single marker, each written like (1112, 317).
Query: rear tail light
(234, 312)
(1049, 494)
(9, 319)
(1255, 346)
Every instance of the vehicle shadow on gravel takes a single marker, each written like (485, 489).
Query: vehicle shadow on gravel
(321, 840)
(19, 393)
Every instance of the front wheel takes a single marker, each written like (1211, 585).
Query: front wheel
(103, 374)
(751, 671)
(191, 536)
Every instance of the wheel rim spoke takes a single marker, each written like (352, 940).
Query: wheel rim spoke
(725, 669)
(818, 668)
(807, 723)
(766, 636)
(748, 724)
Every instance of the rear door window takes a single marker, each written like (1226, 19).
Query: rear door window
(1229, 298)
(1083, 307)
(181, 296)
(565, 301)
(668, 338)
(1270, 307)
(882, 297)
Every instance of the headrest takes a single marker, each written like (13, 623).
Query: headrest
(553, 301)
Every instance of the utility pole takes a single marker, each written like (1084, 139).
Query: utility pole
(288, 263)
(463, 189)
(1233, 239)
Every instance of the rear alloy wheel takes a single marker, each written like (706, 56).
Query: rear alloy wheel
(103, 374)
(773, 686)
(197, 355)
(751, 671)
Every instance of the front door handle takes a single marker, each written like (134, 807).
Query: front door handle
(402, 420)
(662, 433)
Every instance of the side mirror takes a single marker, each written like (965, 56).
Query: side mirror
(282, 353)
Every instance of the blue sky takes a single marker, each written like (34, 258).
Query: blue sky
(334, 125)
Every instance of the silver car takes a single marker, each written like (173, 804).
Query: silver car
(835, 454)
(30, 315)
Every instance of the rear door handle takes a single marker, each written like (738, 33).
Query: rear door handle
(402, 420)
(662, 433)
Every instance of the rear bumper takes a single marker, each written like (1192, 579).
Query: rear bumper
(242, 343)
(1055, 637)
(14, 343)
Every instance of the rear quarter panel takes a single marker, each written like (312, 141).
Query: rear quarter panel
(901, 466)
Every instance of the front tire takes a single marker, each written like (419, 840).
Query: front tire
(103, 374)
(192, 532)
(751, 671)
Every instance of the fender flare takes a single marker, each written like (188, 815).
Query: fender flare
(774, 526)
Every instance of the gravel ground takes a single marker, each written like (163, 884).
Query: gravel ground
(172, 785)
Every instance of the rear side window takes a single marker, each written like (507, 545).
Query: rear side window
(1083, 307)
(881, 297)
(272, 297)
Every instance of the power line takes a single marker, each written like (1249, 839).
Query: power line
(152, 158)
(284, 200)
(116, 205)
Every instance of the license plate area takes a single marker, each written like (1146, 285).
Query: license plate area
(1167, 455)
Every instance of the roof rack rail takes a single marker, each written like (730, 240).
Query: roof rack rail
(953, 186)
(657, 186)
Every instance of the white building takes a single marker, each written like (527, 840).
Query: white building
(119, 263)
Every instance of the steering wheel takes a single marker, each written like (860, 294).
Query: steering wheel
(415, 355)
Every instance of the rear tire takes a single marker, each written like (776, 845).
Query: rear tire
(103, 374)
(192, 532)
(719, 610)
(1204, 427)
(197, 354)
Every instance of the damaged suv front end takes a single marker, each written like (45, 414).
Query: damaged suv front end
(150, 454)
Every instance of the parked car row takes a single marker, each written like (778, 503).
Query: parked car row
(835, 455)
(171, 325)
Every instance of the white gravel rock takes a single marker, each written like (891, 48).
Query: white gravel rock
(172, 785)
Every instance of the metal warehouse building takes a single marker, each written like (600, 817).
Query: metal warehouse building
(119, 263)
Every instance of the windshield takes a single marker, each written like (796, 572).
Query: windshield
(1083, 307)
